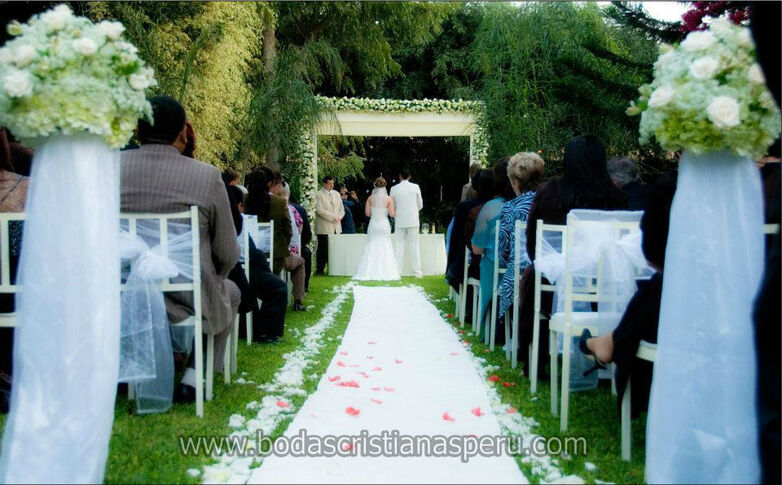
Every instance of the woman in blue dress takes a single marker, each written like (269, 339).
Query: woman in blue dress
(524, 172)
(484, 235)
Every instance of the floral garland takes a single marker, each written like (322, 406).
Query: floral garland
(63, 74)
(709, 94)
(479, 149)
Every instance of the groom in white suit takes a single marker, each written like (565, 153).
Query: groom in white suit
(407, 201)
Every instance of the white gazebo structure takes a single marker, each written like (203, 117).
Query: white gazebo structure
(389, 118)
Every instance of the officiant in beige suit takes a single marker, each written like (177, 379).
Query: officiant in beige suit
(329, 211)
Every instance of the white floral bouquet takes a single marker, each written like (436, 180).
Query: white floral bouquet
(64, 74)
(709, 94)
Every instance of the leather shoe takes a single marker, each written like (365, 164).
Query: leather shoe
(298, 307)
(267, 339)
(184, 394)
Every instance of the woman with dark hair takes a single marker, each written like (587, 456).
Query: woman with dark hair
(260, 201)
(13, 192)
(584, 185)
(455, 266)
(482, 241)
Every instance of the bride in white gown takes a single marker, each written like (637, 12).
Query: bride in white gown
(379, 259)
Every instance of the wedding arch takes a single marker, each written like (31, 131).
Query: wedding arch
(391, 117)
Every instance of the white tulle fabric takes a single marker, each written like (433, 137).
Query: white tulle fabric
(597, 249)
(702, 425)
(66, 346)
(379, 259)
(146, 357)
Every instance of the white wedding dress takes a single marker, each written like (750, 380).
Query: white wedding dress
(379, 259)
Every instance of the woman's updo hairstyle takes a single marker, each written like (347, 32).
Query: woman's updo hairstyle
(380, 182)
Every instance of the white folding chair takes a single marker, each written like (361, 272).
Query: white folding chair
(571, 323)
(7, 281)
(512, 328)
(558, 235)
(497, 273)
(466, 283)
(194, 286)
(264, 228)
(195, 321)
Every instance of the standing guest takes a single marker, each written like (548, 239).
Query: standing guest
(525, 171)
(13, 192)
(468, 191)
(624, 174)
(230, 177)
(306, 239)
(357, 211)
(329, 212)
(485, 232)
(347, 222)
(263, 182)
(584, 185)
(157, 178)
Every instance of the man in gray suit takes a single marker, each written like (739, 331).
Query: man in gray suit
(157, 178)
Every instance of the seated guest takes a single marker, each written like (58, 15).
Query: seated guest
(306, 239)
(624, 174)
(584, 185)
(524, 172)
(262, 183)
(642, 315)
(230, 177)
(249, 302)
(356, 210)
(348, 227)
(157, 178)
(485, 232)
(13, 192)
(269, 319)
(455, 266)
(484, 194)
(468, 191)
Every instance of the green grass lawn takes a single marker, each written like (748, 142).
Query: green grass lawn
(146, 448)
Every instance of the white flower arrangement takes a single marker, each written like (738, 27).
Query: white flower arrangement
(709, 94)
(64, 74)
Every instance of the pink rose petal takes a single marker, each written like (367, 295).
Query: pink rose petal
(376, 401)
(283, 404)
(454, 353)
(449, 315)
(477, 412)
(343, 353)
(333, 379)
(362, 373)
(448, 417)
(389, 389)
(348, 384)
(494, 378)
(354, 365)
(347, 446)
(486, 351)
(371, 342)
(352, 411)
(398, 361)
(313, 416)
(375, 388)
(512, 410)
(508, 384)
(369, 357)
(377, 369)
(341, 364)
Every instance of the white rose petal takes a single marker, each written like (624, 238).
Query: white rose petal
(112, 30)
(18, 84)
(722, 27)
(755, 74)
(57, 18)
(85, 46)
(24, 55)
(704, 68)
(5, 55)
(723, 111)
(744, 38)
(698, 41)
(661, 96)
(138, 82)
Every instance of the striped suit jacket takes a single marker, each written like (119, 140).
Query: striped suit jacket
(157, 178)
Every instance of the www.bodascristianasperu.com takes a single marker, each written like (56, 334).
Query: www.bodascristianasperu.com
(386, 444)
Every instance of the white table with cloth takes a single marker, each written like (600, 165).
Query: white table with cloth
(345, 252)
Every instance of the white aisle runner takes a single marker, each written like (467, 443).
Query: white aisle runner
(400, 367)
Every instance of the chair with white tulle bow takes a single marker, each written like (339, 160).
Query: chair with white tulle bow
(601, 263)
(176, 285)
(467, 281)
